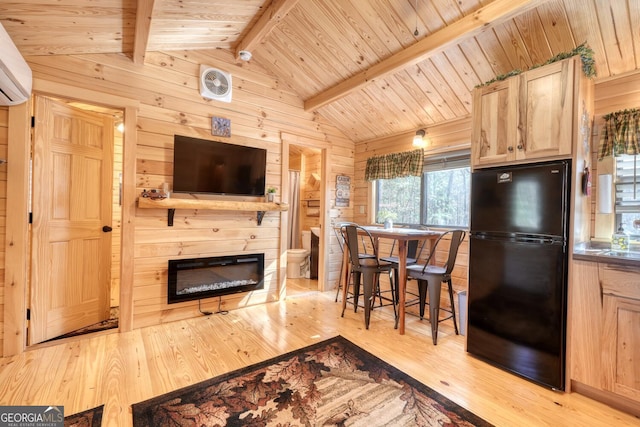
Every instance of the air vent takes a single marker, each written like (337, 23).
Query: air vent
(215, 84)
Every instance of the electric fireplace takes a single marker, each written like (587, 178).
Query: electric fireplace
(199, 278)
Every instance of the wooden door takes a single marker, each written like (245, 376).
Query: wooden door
(620, 332)
(546, 111)
(495, 109)
(71, 252)
(621, 354)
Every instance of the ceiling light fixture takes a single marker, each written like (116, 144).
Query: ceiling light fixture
(245, 55)
(418, 139)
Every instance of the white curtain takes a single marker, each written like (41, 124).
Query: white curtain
(294, 211)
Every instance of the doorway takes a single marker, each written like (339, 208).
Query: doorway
(307, 159)
(76, 204)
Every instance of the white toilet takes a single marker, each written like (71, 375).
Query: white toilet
(298, 259)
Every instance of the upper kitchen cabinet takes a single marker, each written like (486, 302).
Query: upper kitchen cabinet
(529, 117)
(495, 123)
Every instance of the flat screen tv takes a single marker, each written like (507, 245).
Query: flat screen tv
(212, 167)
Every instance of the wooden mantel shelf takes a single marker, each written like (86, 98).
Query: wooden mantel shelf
(221, 205)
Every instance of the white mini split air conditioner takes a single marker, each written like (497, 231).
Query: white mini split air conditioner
(215, 84)
(15, 74)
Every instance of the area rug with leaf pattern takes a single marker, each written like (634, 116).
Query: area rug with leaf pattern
(331, 383)
(89, 418)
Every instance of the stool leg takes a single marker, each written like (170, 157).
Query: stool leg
(422, 296)
(345, 291)
(357, 275)
(394, 298)
(396, 276)
(368, 283)
(453, 307)
(338, 288)
(434, 308)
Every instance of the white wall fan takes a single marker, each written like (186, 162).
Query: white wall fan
(215, 84)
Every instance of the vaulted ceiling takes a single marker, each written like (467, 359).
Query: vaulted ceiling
(373, 68)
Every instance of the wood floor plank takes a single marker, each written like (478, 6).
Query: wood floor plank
(118, 370)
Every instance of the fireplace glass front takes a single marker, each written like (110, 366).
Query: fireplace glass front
(199, 278)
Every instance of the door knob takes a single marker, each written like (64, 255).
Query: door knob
(107, 229)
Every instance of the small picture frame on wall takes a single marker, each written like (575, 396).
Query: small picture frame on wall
(220, 126)
(343, 191)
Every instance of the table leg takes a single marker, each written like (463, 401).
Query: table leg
(402, 283)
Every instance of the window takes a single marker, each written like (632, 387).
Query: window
(439, 198)
(628, 194)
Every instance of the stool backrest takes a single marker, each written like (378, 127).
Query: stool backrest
(457, 236)
(354, 236)
(337, 230)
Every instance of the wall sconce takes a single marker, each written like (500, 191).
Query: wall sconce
(418, 139)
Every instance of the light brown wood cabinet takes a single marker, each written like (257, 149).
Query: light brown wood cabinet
(495, 123)
(528, 117)
(621, 332)
(604, 333)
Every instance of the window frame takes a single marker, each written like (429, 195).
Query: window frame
(433, 162)
(627, 170)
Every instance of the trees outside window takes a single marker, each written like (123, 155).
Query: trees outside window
(439, 198)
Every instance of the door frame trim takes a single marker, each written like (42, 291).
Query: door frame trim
(288, 139)
(17, 241)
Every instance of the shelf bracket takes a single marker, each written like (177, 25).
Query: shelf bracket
(259, 217)
(170, 213)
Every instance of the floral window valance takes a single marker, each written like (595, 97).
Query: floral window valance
(395, 165)
(620, 134)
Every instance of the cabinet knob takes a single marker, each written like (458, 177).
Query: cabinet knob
(520, 147)
(510, 149)
(107, 229)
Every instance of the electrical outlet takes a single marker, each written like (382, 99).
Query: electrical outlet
(361, 209)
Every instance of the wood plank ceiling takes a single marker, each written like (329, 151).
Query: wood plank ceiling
(358, 64)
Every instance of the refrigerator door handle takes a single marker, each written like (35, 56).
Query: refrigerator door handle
(523, 238)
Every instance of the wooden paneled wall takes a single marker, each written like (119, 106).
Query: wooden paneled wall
(3, 209)
(167, 90)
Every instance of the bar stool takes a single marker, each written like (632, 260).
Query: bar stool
(363, 254)
(437, 275)
(368, 269)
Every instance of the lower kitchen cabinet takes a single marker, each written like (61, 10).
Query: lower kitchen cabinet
(621, 337)
(604, 333)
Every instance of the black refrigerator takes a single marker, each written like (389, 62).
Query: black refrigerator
(518, 259)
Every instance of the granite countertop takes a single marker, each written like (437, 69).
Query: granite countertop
(601, 252)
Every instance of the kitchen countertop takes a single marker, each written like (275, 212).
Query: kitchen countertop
(601, 252)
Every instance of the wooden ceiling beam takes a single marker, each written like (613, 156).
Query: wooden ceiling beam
(492, 14)
(276, 12)
(144, 14)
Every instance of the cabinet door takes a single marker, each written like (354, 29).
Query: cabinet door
(621, 331)
(621, 355)
(494, 123)
(585, 324)
(545, 117)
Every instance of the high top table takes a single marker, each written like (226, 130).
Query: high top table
(402, 236)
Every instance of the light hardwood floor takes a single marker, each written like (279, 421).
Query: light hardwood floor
(118, 370)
